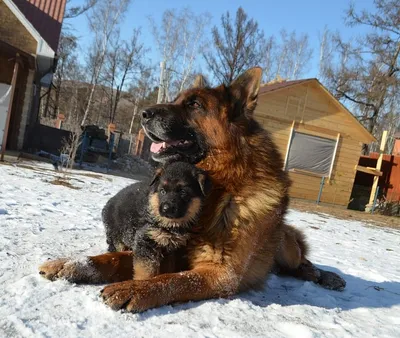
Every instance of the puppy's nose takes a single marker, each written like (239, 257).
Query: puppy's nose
(147, 114)
(168, 209)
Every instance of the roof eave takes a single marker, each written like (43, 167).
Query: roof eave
(43, 49)
(369, 138)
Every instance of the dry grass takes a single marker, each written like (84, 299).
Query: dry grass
(64, 182)
(341, 213)
(99, 177)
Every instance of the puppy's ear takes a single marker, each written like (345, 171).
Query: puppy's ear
(199, 82)
(156, 177)
(204, 182)
(245, 91)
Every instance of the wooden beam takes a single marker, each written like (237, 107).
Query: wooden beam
(288, 145)
(305, 103)
(369, 170)
(10, 105)
(378, 167)
(334, 156)
(305, 172)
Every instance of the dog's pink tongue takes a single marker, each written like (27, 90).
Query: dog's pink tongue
(156, 147)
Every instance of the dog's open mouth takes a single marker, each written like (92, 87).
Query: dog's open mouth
(159, 147)
(185, 146)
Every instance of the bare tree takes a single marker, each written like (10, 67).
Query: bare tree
(70, 146)
(326, 51)
(137, 95)
(123, 62)
(292, 55)
(365, 72)
(66, 68)
(237, 47)
(67, 64)
(75, 11)
(302, 55)
(268, 63)
(103, 19)
(139, 92)
(193, 27)
(179, 39)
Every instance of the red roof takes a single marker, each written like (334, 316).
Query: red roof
(46, 17)
(279, 85)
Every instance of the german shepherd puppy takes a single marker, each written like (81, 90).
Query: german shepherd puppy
(242, 231)
(155, 218)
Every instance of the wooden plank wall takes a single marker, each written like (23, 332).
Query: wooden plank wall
(317, 115)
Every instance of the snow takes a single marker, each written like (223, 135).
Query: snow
(40, 220)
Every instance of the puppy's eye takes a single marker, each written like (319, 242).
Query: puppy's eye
(183, 193)
(194, 104)
(162, 191)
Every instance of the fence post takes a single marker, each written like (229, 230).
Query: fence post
(375, 198)
(82, 149)
(321, 186)
(111, 145)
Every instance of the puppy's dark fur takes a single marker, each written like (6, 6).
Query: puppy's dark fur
(154, 218)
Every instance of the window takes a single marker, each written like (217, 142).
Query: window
(311, 154)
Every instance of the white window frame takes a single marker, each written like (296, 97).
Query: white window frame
(292, 131)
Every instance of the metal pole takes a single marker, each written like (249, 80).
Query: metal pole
(320, 189)
(111, 150)
(10, 104)
(375, 198)
(130, 128)
(83, 149)
(130, 145)
(161, 89)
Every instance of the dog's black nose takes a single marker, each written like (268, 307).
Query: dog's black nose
(168, 210)
(147, 114)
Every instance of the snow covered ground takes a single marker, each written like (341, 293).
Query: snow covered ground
(39, 220)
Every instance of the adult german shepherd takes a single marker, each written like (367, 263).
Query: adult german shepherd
(241, 235)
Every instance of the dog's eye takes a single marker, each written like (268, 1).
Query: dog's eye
(183, 193)
(194, 104)
(162, 191)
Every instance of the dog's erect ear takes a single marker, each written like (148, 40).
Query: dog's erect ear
(156, 177)
(199, 82)
(204, 182)
(245, 89)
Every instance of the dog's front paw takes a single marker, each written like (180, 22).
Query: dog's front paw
(332, 281)
(53, 269)
(134, 296)
(75, 271)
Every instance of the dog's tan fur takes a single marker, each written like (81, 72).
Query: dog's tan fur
(166, 239)
(241, 235)
(143, 269)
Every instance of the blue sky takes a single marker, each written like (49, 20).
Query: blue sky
(303, 16)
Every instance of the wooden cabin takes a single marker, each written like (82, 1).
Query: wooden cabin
(318, 137)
